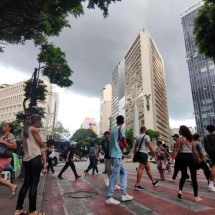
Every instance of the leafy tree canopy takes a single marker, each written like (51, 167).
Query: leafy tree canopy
(204, 29)
(22, 20)
(55, 65)
(83, 134)
(153, 134)
(59, 132)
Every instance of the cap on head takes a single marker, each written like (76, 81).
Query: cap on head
(35, 117)
(73, 143)
(106, 133)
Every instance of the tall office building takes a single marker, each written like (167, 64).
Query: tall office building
(105, 109)
(201, 71)
(118, 92)
(11, 102)
(145, 86)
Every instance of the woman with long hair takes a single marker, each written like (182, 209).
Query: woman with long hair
(185, 152)
(32, 145)
(8, 140)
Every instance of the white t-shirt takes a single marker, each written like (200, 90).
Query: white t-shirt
(144, 147)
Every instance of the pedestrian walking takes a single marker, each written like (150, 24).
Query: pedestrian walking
(69, 161)
(32, 161)
(209, 144)
(203, 164)
(107, 160)
(143, 143)
(50, 156)
(161, 157)
(119, 170)
(7, 144)
(93, 160)
(185, 152)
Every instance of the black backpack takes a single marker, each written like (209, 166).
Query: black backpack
(209, 144)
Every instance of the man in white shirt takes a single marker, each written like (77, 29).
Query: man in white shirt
(143, 143)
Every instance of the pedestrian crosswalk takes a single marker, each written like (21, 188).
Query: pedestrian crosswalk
(160, 200)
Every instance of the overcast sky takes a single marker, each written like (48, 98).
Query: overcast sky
(94, 46)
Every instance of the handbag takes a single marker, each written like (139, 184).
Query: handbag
(5, 152)
(137, 154)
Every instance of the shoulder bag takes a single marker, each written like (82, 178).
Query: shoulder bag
(5, 152)
(137, 154)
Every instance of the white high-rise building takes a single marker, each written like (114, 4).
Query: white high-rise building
(145, 86)
(11, 102)
(118, 92)
(105, 108)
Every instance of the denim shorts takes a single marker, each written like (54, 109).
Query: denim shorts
(143, 158)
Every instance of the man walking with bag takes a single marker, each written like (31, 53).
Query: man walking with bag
(118, 167)
(143, 143)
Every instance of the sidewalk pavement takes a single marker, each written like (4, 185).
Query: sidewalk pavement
(63, 197)
(8, 205)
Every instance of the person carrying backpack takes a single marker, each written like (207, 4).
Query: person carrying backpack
(209, 144)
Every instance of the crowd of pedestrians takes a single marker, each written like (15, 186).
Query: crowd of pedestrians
(188, 154)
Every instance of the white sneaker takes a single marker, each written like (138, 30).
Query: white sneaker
(99, 173)
(211, 188)
(126, 198)
(111, 201)
(106, 181)
(117, 187)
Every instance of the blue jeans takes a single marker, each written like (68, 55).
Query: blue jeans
(118, 170)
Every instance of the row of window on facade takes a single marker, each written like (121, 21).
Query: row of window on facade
(11, 108)
(12, 90)
(11, 100)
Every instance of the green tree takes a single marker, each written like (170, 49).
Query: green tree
(38, 19)
(55, 65)
(17, 128)
(59, 132)
(153, 134)
(22, 20)
(204, 29)
(82, 134)
(39, 93)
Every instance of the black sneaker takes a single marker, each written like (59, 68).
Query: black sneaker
(155, 184)
(139, 188)
(60, 177)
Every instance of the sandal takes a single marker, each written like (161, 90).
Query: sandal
(13, 192)
(197, 199)
(38, 213)
(24, 213)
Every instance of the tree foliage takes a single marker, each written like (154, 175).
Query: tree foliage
(59, 132)
(83, 134)
(204, 29)
(153, 134)
(22, 20)
(39, 93)
(55, 65)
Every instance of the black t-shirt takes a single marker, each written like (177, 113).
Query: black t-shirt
(105, 147)
(72, 152)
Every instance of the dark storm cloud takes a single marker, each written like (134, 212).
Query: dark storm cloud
(94, 46)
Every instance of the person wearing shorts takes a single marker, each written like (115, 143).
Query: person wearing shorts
(144, 140)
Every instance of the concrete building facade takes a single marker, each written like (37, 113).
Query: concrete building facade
(11, 102)
(145, 85)
(201, 72)
(105, 108)
(118, 91)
